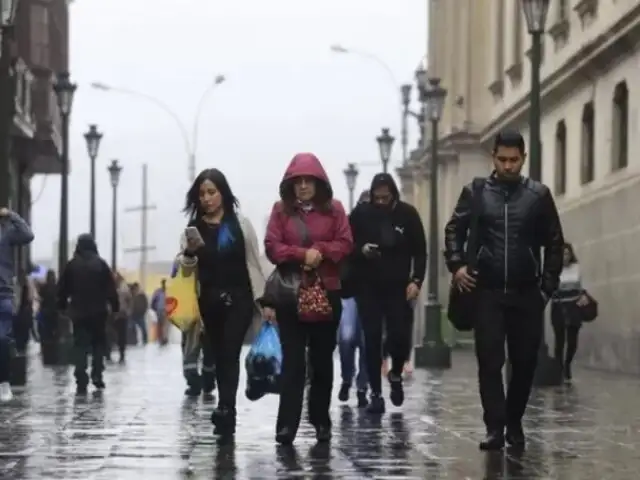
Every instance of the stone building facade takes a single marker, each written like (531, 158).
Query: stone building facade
(590, 105)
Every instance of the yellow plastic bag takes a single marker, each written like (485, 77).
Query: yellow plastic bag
(182, 301)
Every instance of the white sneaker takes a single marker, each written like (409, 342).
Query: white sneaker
(6, 395)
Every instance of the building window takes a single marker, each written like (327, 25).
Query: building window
(560, 181)
(587, 162)
(620, 127)
(39, 27)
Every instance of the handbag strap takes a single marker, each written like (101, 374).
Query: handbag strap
(477, 186)
(303, 231)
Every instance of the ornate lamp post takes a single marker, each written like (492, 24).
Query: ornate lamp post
(434, 352)
(405, 93)
(549, 370)
(351, 175)
(93, 138)
(7, 29)
(385, 142)
(114, 173)
(65, 91)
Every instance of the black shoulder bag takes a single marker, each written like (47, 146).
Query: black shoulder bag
(283, 285)
(462, 305)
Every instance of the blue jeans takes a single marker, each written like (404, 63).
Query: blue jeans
(6, 338)
(350, 337)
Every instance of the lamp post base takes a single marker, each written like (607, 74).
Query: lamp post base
(548, 371)
(434, 352)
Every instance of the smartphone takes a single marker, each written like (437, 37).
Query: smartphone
(193, 236)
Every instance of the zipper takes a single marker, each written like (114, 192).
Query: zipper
(506, 241)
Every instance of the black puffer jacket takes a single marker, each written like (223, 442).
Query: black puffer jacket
(87, 286)
(518, 219)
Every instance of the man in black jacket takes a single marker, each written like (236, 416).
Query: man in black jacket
(86, 290)
(389, 265)
(518, 219)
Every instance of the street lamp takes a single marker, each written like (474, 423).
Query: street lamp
(64, 90)
(549, 370)
(385, 142)
(405, 94)
(115, 169)
(351, 175)
(93, 138)
(434, 352)
(7, 89)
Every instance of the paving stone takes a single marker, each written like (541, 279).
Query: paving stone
(142, 425)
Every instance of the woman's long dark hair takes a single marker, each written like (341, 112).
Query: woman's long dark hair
(572, 254)
(321, 200)
(230, 203)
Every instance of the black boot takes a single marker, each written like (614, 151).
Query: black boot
(224, 421)
(376, 405)
(515, 436)
(362, 399)
(285, 436)
(343, 395)
(493, 441)
(397, 391)
(192, 391)
(323, 433)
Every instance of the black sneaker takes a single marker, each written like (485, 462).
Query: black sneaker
(99, 384)
(493, 441)
(567, 373)
(362, 399)
(224, 421)
(376, 405)
(515, 436)
(343, 395)
(81, 390)
(397, 391)
(192, 392)
(323, 433)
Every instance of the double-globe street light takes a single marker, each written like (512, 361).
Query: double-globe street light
(549, 370)
(93, 138)
(65, 91)
(7, 29)
(115, 169)
(434, 352)
(405, 91)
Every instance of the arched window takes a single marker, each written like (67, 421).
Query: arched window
(620, 127)
(588, 150)
(560, 181)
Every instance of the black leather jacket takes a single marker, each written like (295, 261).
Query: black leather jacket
(517, 221)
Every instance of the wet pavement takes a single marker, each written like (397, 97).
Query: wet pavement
(142, 426)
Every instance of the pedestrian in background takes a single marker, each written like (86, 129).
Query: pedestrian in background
(565, 319)
(158, 305)
(351, 336)
(14, 232)
(86, 291)
(122, 317)
(139, 309)
(308, 232)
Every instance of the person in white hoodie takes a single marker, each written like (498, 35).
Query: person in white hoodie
(223, 249)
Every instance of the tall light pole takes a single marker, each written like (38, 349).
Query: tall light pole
(93, 138)
(405, 90)
(65, 91)
(549, 370)
(190, 144)
(115, 169)
(7, 28)
(351, 175)
(434, 352)
(385, 144)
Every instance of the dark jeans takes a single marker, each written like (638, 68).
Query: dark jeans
(350, 339)
(6, 339)
(385, 308)
(565, 333)
(89, 336)
(141, 323)
(225, 329)
(517, 319)
(320, 337)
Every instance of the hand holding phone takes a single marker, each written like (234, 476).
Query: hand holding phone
(371, 250)
(194, 239)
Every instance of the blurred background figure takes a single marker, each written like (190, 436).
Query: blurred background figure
(158, 307)
(140, 305)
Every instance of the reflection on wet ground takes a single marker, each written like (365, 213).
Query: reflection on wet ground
(143, 426)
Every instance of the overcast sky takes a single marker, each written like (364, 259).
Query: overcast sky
(285, 92)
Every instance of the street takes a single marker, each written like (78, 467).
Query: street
(142, 427)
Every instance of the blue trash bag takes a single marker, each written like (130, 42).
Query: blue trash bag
(264, 363)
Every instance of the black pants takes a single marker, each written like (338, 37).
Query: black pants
(565, 333)
(384, 308)
(516, 318)
(225, 329)
(321, 339)
(90, 338)
(120, 323)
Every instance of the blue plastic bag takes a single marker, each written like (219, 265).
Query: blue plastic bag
(264, 363)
